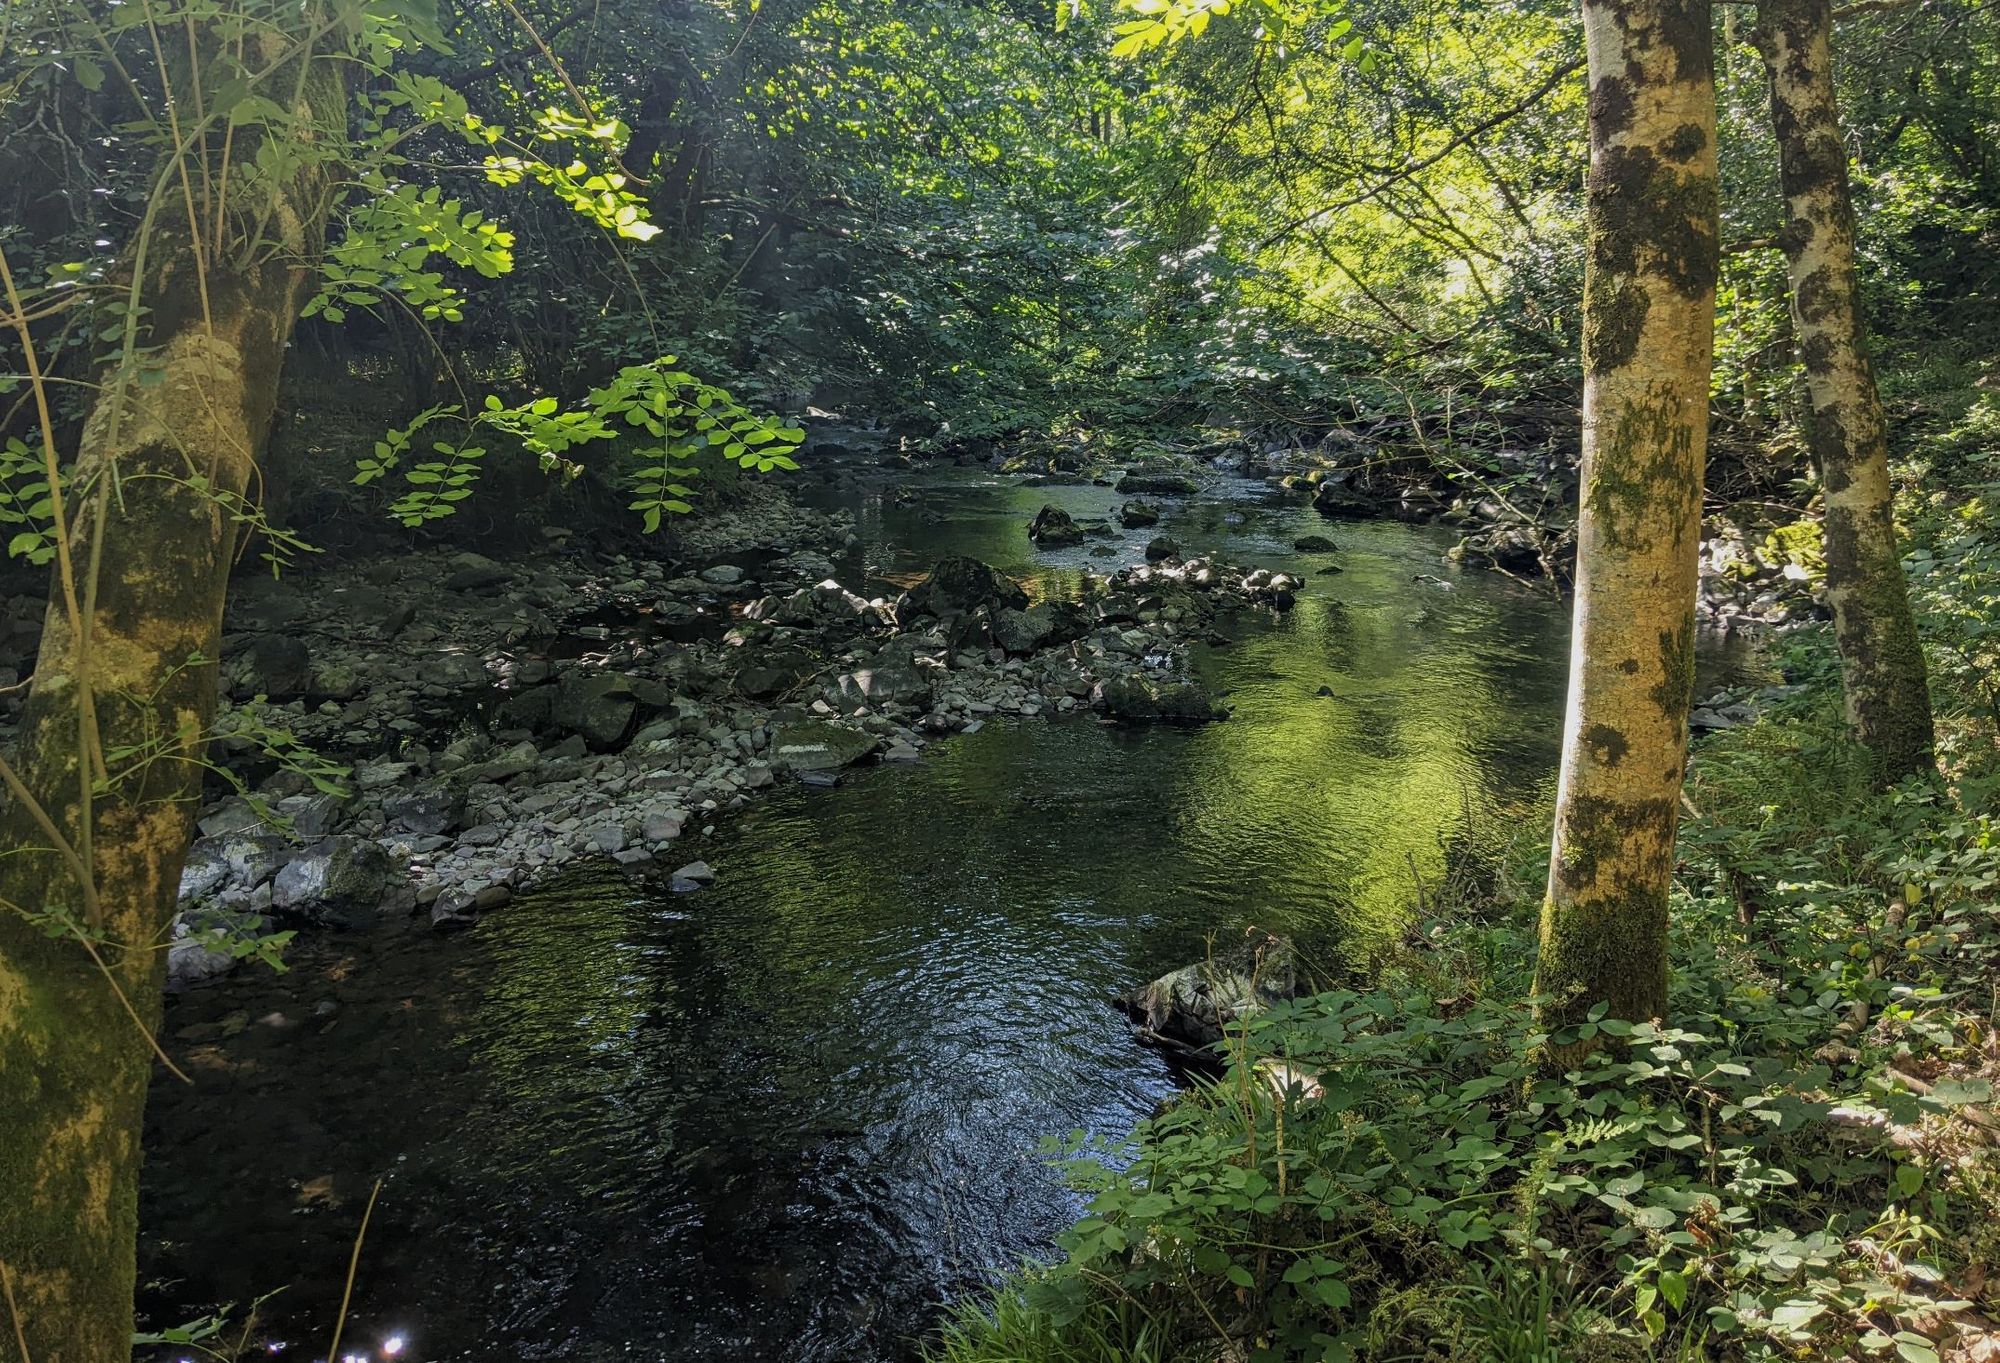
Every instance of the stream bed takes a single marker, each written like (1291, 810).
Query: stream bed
(786, 1116)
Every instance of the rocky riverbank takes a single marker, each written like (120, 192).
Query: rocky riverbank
(429, 734)
(1514, 508)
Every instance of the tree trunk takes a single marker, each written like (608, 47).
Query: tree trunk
(1881, 661)
(162, 459)
(1649, 310)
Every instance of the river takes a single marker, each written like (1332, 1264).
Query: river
(786, 1116)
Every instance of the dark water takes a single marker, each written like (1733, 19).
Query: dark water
(785, 1117)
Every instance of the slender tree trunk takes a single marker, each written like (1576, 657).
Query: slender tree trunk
(1649, 310)
(1881, 661)
(163, 458)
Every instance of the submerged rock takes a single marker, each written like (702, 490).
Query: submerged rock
(1315, 544)
(1191, 1008)
(1135, 515)
(1135, 699)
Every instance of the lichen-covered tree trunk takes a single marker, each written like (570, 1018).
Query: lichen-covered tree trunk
(1649, 309)
(152, 532)
(1881, 661)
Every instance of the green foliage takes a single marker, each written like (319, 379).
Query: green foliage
(26, 505)
(673, 430)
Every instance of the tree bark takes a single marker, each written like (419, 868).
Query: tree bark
(163, 460)
(1881, 660)
(1648, 334)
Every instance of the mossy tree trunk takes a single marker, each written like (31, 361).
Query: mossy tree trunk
(112, 739)
(1882, 663)
(1649, 311)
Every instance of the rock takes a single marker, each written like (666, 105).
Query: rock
(1315, 544)
(1158, 484)
(476, 573)
(599, 707)
(197, 956)
(722, 575)
(1163, 548)
(335, 681)
(1135, 515)
(893, 678)
(693, 876)
(960, 585)
(424, 812)
(814, 746)
(663, 825)
(608, 838)
(235, 815)
(336, 879)
(1189, 1008)
(279, 666)
(1338, 499)
(1053, 527)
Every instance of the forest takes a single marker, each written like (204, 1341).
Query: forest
(992, 681)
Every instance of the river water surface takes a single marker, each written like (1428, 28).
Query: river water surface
(785, 1117)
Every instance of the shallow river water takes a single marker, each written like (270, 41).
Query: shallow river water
(786, 1116)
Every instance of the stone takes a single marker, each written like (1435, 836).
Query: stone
(1053, 527)
(1163, 548)
(1337, 499)
(959, 585)
(476, 573)
(693, 876)
(337, 879)
(1158, 484)
(608, 838)
(1315, 544)
(1137, 515)
(1190, 1008)
(662, 825)
(600, 707)
(425, 812)
(722, 575)
(892, 678)
(279, 666)
(816, 746)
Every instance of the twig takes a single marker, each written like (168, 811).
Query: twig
(353, 1267)
(14, 1312)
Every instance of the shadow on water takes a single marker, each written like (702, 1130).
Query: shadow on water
(784, 1117)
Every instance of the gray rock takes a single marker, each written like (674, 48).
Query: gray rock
(662, 825)
(814, 746)
(608, 838)
(693, 876)
(1135, 515)
(959, 585)
(1163, 548)
(427, 812)
(337, 879)
(722, 575)
(1189, 1008)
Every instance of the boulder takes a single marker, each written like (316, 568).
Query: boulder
(1136, 515)
(599, 707)
(958, 585)
(1315, 544)
(812, 745)
(1190, 1008)
(336, 879)
(1053, 527)
(1163, 548)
